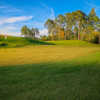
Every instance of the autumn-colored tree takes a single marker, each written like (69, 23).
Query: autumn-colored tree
(60, 26)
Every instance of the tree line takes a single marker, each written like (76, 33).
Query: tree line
(75, 25)
(29, 33)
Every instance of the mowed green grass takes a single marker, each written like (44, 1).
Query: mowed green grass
(73, 43)
(50, 72)
(42, 54)
(16, 42)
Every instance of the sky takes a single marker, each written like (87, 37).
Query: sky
(33, 13)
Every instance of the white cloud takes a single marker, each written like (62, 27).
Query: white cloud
(10, 30)
(15, 19)
(8, 9)
(44, 32)
(8, 25)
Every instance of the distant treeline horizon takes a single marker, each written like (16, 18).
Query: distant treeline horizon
(76, 25)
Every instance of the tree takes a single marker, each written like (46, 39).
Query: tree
(69, 24)
(75, 30)
(98, 30)
(92, 13)
(75, 24)
(33, 33)
(25, 31)
(60, 21)
(36, 31)
(30, 33)
(93, 19)
(51, 26)
(80, 19)
(44, 38)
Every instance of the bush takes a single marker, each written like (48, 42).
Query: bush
(95, 40)
(3, 44)
(1, 37)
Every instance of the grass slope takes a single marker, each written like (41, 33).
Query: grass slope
(74, 43)
(20, 42)
(78, 79)
(52, 72)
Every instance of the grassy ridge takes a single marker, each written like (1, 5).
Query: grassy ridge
(20, 42)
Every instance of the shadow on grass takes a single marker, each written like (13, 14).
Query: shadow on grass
(51, 81)
(20, 42)
(39, 42)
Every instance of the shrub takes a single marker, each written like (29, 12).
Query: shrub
(3, 44)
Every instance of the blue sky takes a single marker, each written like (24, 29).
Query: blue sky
(33, 13)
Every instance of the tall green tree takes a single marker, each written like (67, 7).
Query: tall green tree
(36, 31)
(75, 31)
(25, 31)
(92, 12)
(33, 33)
(69, 20)
(80, 20)
(76, 24)
(60, 20)
(98, 29)
(60, 25)
(30, 33)
(93, 18)
(94, 21)
(51, 26)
